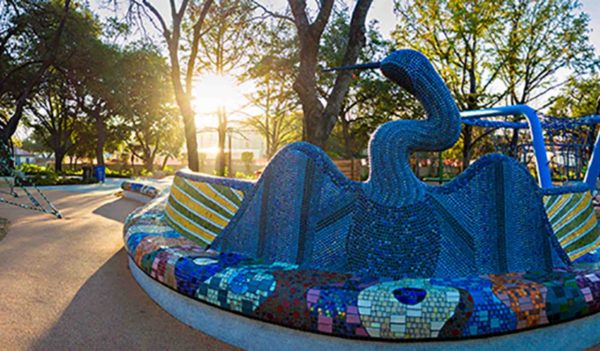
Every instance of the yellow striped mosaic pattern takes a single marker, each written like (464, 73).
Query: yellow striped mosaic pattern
(574, 222)
(200, 210)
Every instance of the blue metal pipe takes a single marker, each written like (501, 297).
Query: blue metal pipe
(537, 137)
(593, 170)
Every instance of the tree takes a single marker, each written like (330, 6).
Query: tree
(52, 113)
(371, 99)
(320, 117)
(172, 143)
(501, 51)
(196, 12)
(578, 98)
(94, 74)
(223, 48)
(146, 105)
(273, 62)
(27, 50)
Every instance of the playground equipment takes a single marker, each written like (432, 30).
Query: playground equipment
(563, 149)
(304, 249)
(12, 189)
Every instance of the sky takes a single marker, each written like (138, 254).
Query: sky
(592, 8)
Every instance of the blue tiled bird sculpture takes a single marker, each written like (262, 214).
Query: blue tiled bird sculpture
(303, 210)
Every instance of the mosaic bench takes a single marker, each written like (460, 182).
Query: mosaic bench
(350, 305)
(305, 249)
(139, 191)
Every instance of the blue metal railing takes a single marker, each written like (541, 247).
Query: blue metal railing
(537, 137)
(593, 170)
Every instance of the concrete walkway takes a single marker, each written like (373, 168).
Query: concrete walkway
(65, 283)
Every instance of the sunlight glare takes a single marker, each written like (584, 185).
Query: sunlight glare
(212, 91)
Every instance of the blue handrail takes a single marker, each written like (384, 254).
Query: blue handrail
(593, 170)
(537, 137)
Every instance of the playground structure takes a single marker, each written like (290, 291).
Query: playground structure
(305, 249)
(14, 192)
(562, 150)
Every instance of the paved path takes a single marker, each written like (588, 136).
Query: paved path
(64, 284)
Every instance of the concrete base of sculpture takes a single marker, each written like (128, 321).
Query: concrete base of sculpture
(252, 334)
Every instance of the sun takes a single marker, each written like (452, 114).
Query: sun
(214, 91)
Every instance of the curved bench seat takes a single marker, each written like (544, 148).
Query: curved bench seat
(353, 306)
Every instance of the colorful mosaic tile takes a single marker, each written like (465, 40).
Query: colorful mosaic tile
(357, 306)
(385, 317)
(574, 222)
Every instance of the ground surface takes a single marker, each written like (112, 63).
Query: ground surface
(64, 284)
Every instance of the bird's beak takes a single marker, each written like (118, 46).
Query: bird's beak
(360, 66)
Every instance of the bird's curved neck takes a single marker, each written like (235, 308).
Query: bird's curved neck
(391, 180)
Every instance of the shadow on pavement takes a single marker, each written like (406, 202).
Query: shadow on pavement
(113, 211)
(110, 311)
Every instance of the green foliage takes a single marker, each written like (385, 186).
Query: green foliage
(372, 99)
(118, 173)
(492, 51)
(168, 170)
(41, 176)
(247, 156)
(146, 173)
(242, 175)
(273, 65)
(145, 105)
(578, 98)
(31, 169)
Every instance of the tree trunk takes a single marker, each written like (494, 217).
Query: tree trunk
(59, 155)
(164, 164)
(189, 127)
(149, 164)
(222, 131)
(514, 144)
(319, 119)
(347, 139)
(184, 101)
(229, 157)
(101, 130)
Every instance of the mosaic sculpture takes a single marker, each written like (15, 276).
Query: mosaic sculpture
(489, 220)
(390, 258)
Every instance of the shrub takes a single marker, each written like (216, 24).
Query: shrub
(145, 173)
(115, 173)
(242, 175)
(33, 169)
(40, 175)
